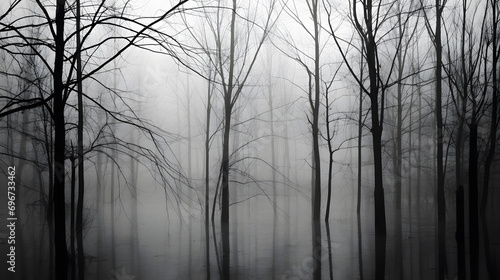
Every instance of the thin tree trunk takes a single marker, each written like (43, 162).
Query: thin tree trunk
(441, 203)
(273, 159)
(72, 216)
(21, 260)
(112, 209)
(79, 211)
(360, 128)
(207, 174)
(360, 247)
(329, 139)
(225, 193)
(419, 171)
(190, 178)
(473, 202)
(134, 228)
(494, 109)
(410, 181)
(492, 142)
(461, 270)
(315, 112)
(460, 234)
(330, 255)
(99, 208)
(398, 164)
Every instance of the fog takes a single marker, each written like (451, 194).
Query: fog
(261, 140)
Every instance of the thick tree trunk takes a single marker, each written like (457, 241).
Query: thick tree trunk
(61, 254)
(225, 151)
(316, 249)
(48, 144)
(380, 223)
(376, 129)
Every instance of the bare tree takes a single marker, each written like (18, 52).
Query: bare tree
(16, 32)
(372, 28)
(494, 118)
(313, 65)
(435, 36)
(232, 55)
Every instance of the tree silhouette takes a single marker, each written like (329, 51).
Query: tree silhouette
(16, 36)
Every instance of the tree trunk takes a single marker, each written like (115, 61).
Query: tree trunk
(134, 228)
(61, 254)
(398, 155)
(419, 176)
(48, 144)
(329, 139)
(225, 196)
(360, 247)
(460, 196)
(273, 158)
(460, 235)
(360, 129)
(316, 249)
(225, 153)
(380, 224)
(79, 211)
(494, 109)
(376, 129)
(473, 203)
(72, 216)
(207, 175)
(315, 112)
(441, 203)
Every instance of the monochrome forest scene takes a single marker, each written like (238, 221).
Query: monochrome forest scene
(235, 139)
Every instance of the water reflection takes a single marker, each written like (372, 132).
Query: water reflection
(267, 246)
